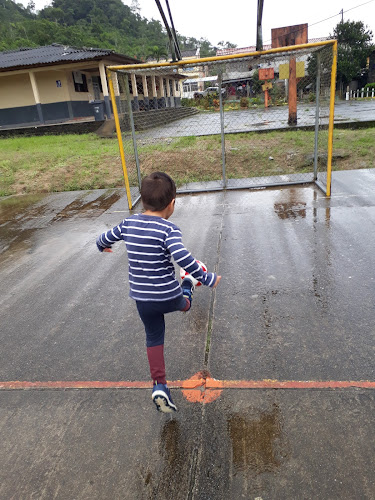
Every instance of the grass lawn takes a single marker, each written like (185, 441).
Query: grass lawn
(75, 162)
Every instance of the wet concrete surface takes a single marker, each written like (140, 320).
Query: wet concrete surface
(295, 303)
(273, 118)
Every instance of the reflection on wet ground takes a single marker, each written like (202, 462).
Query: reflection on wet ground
(82, 208)
(175, 472)
(291, 206)
(21, 217)
(257, 442)
(290, 210)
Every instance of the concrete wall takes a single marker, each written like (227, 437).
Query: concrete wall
(59, 100)
(16, 91)
(48, 89)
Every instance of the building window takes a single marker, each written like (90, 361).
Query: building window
(190, 87)
(80, 82)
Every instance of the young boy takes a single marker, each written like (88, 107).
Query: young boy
(151, 240)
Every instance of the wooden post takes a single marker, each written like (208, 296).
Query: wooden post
(292, 98)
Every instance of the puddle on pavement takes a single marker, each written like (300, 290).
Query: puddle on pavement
(258, 443)
(81, 207)
(11, 244)
(15, 212)
(22, 216)
(17, 207)
(290, 210)
(290, 205)
(177, 464)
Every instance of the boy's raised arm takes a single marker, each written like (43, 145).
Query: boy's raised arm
(184, 259)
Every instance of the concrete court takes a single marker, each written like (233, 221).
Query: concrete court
(275, 118)
(296, 302)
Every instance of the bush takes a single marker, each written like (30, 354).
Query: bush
(187, 102)
(311, 97)
(244, 102)
(205, 102)
(370, 86)
(255, 101)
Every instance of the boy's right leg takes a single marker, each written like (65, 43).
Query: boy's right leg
(188, 287)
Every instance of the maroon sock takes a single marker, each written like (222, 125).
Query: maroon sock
(156, 361)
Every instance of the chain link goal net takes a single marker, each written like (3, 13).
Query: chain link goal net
(245, 121)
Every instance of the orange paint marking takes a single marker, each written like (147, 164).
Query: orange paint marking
(86, 384)
(289, 384)
(200, 388)
(194, 389)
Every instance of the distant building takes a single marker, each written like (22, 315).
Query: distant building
(252, 48)
(53, 84)
(58, 83)
(197, 75)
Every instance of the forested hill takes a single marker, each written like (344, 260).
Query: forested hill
(89, 23)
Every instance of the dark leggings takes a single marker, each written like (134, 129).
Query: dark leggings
(152, 316)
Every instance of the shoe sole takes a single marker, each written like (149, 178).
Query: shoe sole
(163, 403)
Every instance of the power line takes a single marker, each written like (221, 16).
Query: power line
(342, 12)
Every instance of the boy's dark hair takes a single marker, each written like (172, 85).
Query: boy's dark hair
(157, 191)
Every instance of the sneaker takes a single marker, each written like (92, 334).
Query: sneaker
(161, 396)
(188, 287)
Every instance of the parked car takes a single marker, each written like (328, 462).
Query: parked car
(209, 90)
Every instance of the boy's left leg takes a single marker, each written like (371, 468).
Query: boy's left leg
(152, 316)
(153, 320)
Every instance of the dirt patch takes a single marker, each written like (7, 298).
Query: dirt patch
(39, 166)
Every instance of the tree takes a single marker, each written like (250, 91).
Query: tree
(90, 23)
(158, 53)
(207, 49)
(354, 46)
(226, 45)
(31, 6)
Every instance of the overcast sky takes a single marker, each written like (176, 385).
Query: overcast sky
(235, 21)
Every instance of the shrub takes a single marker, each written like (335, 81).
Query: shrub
(205, 102)
(244, 102)
(255, 101)
(187, 102)
(370, 85)
(311, 97)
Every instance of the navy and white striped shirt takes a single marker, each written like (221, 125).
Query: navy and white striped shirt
(151, 242)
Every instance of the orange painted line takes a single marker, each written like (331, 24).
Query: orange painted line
(86, 384)
(202, 384)
(287, 384)
(92, 384)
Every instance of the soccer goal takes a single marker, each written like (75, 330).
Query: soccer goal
(236, 121)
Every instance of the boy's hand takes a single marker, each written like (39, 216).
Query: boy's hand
(218, 278)
(107, 250)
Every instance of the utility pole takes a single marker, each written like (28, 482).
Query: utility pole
(342, 15)
(259, 45)
(175, 49)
